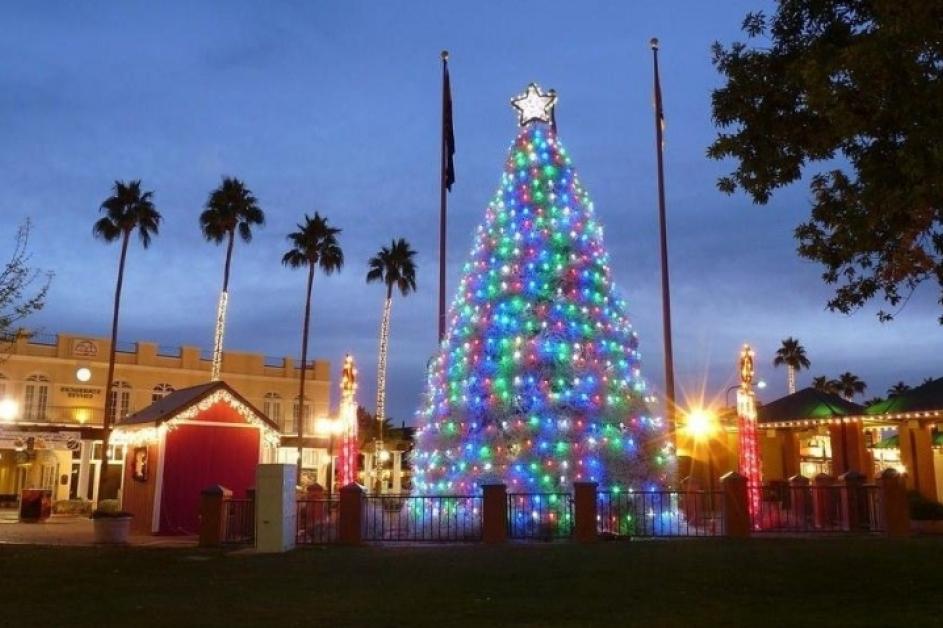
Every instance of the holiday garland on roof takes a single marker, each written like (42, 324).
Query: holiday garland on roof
(537, 383)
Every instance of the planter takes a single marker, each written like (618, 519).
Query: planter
(112, 530)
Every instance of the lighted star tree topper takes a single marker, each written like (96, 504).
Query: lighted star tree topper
(537, 383)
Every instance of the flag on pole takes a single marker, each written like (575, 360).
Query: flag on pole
(448, 133)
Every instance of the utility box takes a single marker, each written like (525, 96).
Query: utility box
(275, 507)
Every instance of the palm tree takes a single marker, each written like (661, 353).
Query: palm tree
(867, 403)
(850, 385)
(126, 210)
(313, 246)
(897, 389)
(824, 384)
(394, 266)
(792, 354)
(231, 206)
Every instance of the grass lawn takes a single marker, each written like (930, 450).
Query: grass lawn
(768, 582)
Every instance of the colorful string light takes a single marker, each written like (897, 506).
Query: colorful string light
(537, 383)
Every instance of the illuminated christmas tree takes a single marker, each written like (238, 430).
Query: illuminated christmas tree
(537, 383)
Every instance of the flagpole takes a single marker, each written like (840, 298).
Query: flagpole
(443, 199)
(670, 404)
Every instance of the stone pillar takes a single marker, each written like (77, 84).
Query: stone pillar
(823, 501)
(276, 506)
(585, 511)
(212, 522)
(853, 506)
(894, 510)
(85, 466)
(494, 513)
(916, 454)
(350, 517)
(800, 498)
(368, 480)
(736, 512)
(397, 472)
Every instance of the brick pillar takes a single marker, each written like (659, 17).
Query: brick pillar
(351, 515)
(585, 511)
(736, 512)
(212, 522)
(494, 513)
(823, 498)
(800, 500)
(916, 453)
(853, 514)
(894, 510)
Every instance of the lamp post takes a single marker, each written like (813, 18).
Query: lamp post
(760, 385)
(700, 425)
(329, 427)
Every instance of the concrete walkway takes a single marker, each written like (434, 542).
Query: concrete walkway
(71, 530)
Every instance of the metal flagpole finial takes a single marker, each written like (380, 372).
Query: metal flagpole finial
(445, 55)
(654, 43)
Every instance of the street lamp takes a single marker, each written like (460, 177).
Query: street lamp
(329, 427)
(701, 424)
(760, 385)
(9, 409)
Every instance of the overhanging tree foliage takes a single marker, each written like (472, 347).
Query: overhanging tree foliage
(856, 87)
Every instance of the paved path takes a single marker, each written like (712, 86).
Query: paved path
(71, 530)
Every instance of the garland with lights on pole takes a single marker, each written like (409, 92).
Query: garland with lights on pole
(538, 382)
(347, 463)
(750, 462)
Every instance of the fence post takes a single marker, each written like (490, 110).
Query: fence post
(694, 510)
(212, 522)
(822, 501)
(736, 511)
(585, 511)
(799, 498)
(494, 513)
(350, 517)
(851, 490)
(894, 507)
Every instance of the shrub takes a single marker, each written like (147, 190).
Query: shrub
(923, 509)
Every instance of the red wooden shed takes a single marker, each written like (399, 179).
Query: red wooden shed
(192, 438)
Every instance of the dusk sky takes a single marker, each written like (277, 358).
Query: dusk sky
(335, 107)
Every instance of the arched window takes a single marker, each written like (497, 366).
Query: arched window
(272, 408)
(36, 397)
(120, 400)
(160, 391)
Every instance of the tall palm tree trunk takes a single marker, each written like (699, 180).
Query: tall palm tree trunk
(791, 378)
(221, 315)
(304, 365)
(381, 377)
(110, 379)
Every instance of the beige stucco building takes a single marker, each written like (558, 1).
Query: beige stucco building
(52, 404)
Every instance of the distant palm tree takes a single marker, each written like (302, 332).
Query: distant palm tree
(926, 380)
(314, 245)
(792, 354)
(824, 384)
(850, 385)
(230, 207)
(127, 210)
(897, 389)
(867, 403)
(394, 266)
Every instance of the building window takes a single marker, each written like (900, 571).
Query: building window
(272, 407)
(306, 417)
(160, 391)
(3, 386)
(120, 400)
(36, 397)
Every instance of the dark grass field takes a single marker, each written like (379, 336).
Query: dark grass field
(768, 582)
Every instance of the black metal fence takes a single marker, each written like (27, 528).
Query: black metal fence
(317, 521)
(543, 516)
(626, 514)
(421, 518)
(239, 521)
(814, 509)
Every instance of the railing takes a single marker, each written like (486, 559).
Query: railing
(166, 351)
(818, 509)
(43, 339)
(273, 362)
(239, 521)
(544, 516)
(61, 414)
(661, 513)
(421, 518)
(126, 347)
(317, 521)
